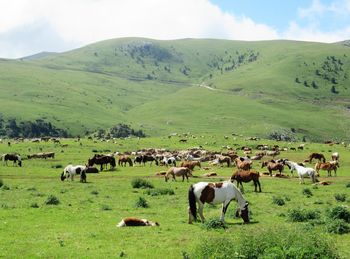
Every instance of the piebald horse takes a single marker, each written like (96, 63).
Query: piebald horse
(12, 157)
(215, 193)
(70, 171)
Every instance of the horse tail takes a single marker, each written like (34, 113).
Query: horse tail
(192, 202)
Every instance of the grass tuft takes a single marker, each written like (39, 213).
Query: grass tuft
(141, 183)
(307, 192)
(340, 197)
(141, 203)
(159, 191)
(52, 200)
(278, 201)
(214, 223)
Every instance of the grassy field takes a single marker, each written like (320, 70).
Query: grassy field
(185, 85)
(83, 224)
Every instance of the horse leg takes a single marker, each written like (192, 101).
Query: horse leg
(200, 211)
(259, 185)
(224, 209)
(255, 186)
(270, 171)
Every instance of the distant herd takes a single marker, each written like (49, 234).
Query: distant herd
(188, 159)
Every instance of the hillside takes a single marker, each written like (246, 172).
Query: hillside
(299, 89)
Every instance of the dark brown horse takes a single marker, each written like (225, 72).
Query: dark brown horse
(124, 159)
(102, 160)
(246, 176)
(12, 157)
(144, 159)
(318, 156)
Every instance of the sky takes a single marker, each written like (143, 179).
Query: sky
(31, 26)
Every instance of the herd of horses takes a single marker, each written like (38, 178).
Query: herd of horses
(202, 192)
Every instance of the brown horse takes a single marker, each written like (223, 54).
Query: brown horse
(123, 160)
(243, 165)
(246, 176)
(318, 156)
(328, 166)
(272, 166)
(190, 164)
(225, 159)
(178, 171)
(12, 157)
(102, 160)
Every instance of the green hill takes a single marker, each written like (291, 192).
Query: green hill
(201, 86)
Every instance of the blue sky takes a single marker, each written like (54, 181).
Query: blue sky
(32, 26)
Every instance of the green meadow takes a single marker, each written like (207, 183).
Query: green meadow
(83, 223)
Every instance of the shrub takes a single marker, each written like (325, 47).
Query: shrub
(31, 189)
(307, 192)
(337, 226)
(339, 212)
(160, 191)
(141, 183)
(105, 207)
(141, 203)
(347, 185)
(271, 243)
(94, 192)
(52, 200)
(214, 223)
(5, 187)
(34, 205)
(301, 215)
(340, 197)
(278, 201)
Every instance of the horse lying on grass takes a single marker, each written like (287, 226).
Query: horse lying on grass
(135, 222)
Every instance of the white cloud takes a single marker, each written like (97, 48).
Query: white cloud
(86, 21)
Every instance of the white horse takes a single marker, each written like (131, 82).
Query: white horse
(215, 193)
(189, 157)
(302, 171)
(70, 171)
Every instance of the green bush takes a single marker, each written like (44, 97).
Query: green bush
(278, 201)
(52, 200)
(34, 205)
(301, 215)
(141, 203)
(347, 185)
(337, 226)
(272, 243)
(141, 183)
(339, 212)
(307, 192)
(160, 191)
(340, 197)
(214, 223)
(105, 207)
(94, 192)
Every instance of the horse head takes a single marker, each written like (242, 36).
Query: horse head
(244, 213)
(91, 161)
(63, 177)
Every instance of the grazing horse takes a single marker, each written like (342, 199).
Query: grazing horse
(335, 156)
(145, 158)
(123, 160)
(70, 171)
(178, 171)
(318, 156)
(224, 159)
(243, 164)
(102, 160)
(12, 157)
(328, 166)
(246, 176)
(135, 222)
(272, 166)
(302, 171)
(190, 164)
(215, 193)
(169, 161)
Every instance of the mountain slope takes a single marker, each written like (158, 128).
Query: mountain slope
(214, 86)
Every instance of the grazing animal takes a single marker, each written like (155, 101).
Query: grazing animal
(224, 159)
(169, 161)
(102, 160)
(123, 160)
(272, 166)
(335, 156)
(12, 157)
(318, 156)
(190, 164)
(144, 159)
(42, 155)
(328, 166)
(243, 164)
(135, 222)
(215, 193)
(246, 176)
(302, 171)
(70, 171)
(178, 171)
